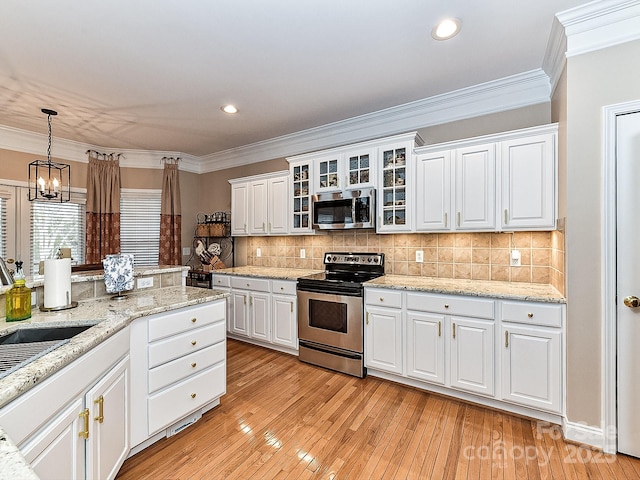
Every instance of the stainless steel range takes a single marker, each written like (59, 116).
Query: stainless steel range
(331, 311)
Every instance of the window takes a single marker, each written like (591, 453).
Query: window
(140, 225)
(55, 225)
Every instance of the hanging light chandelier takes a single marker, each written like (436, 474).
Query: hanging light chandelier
(49, 180)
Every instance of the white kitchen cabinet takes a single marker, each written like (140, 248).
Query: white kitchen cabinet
(529, 182)
(531, 354)
(178, 368)
(301, 178)
(395, 199)
(328, 173)
(425, 346)
(47, 422)
(284, 314)
(433, 191)
(475, 187)
(360, 168)
(259, 204)
(240, 306)
(472, 361)
(260, 316)
(223, 284)
(240, 209)
(383, 339)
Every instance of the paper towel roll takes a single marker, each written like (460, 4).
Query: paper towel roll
(57, 282)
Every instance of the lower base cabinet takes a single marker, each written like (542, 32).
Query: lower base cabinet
(75, 425)
(508, 352)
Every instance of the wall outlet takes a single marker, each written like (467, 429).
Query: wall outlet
(515, 258)
(186, 251)
(419, 256)
(258, 252)
(303, 253)
(145, 282)
(34, 299)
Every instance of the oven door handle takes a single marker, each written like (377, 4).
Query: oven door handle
(329, 292)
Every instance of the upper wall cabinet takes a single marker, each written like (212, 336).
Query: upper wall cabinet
(259, 205)
(301, 178)
(500, 182)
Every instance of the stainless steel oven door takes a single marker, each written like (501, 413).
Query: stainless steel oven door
(330, 319)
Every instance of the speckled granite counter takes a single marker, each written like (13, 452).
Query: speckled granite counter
(12, 464)
(107, 317)
(535, 292)
(268, 272)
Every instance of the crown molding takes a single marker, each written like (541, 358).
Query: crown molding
(36, 144)
(555, 54)
(516, 91)
(600, 24)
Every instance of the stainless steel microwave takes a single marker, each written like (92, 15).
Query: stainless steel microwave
(346, 209)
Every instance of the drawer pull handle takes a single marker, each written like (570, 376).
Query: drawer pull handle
(446, 305)
(248, 284)
(446, 218)
(100, 403)
(506, 339)
(530, 315)
(281, 288)
(439, 329)
(367, 318)
(85, 417)
(193, 365)
(194, 320)
(458, 218)
(454, 330)
(193, 342)
(193, 395)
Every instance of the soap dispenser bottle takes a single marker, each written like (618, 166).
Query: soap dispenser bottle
(18, 297)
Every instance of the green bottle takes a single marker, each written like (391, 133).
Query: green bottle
(18, 298)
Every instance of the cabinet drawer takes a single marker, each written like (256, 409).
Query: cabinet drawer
(181, 368)
(186, 319)
(530, 313)
(221, 281)
(283, 287)
(383, 298)
(253, 284)
(451, 305)
(185, 397)
(179, 345)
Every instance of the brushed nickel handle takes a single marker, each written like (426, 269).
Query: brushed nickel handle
(446, 305)
(530, 315)
(439, 329)
(506, 216)
(382, 299)
(446, 219)
(193, 342)
(506, 339)
(454, 330)
(194, 320)
(458, 218)
(367, 318)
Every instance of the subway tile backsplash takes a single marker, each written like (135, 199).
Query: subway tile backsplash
(479, 256)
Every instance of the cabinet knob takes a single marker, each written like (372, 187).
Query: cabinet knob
(193, 365)
(530, 315)
(193, 342)
(446, 305)
(193, 395)
(194, 320)
(382, 299)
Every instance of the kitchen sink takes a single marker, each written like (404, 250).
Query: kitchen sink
(25, 345)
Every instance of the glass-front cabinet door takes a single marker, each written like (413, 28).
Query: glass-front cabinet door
(328, 172)
(360, 169)
(393, 207)
(301, 178)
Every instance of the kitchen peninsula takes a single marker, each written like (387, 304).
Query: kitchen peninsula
(157, 357)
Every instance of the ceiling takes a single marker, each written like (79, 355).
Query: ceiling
(153, 74)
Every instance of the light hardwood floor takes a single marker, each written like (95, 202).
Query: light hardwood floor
(283, 419)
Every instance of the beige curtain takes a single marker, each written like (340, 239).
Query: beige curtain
(170, 216)
(103, 206)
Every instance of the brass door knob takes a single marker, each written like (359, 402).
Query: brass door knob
(632, 301)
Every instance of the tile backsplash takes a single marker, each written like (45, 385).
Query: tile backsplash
(479, 256)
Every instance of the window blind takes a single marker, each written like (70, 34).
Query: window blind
(55, 225)
(140, 225)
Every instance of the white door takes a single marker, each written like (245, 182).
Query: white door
(278, 206)
(258, 208)
(239, 208)
(628, 283)
(425, 346)
(433, 191)
(284, 320)
(259, 305)
(472, 355)
(383, 339)
(475, 187)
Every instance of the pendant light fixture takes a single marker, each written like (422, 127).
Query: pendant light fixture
(49, 181)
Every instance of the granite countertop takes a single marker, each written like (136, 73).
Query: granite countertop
(91, 275)
(12, 463)
(107, 317)
(268, 272)
(535, 292)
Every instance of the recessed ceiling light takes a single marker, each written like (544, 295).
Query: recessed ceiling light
(446, 29)
(229, 109)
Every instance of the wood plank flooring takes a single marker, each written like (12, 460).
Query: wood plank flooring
(283, 419)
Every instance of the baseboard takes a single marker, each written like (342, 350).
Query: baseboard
(584, 434)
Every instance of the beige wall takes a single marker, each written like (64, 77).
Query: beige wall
(594, 80)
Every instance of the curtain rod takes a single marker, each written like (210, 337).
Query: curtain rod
(105, 155)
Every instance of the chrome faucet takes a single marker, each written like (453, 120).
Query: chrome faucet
(5, 274)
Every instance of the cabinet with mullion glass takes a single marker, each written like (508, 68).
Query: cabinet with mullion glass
(359, 171)
(327, 178)
(301, 197)
(393, 194)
